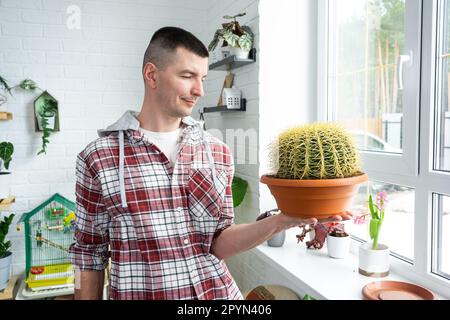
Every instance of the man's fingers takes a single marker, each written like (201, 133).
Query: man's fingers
(335, 218)
(312, 221)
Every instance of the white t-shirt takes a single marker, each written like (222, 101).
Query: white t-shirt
(167, 142)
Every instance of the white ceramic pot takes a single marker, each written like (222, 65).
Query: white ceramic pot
(338, 247)
(373, 263)
(5, 268)
(239, 53)
(5, 183)
(226, 52)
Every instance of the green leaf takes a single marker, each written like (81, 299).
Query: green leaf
(213, 44)
(231, 38)
(308, 297)
(373, 229)
(6, 151)
(4, 84)
(373, 209)
(4, 228)
(239, 189)
(245, 42)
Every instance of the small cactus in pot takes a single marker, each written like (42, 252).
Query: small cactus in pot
(315, 170)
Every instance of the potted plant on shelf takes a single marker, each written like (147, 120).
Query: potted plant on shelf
(315, 171)
(5, 254)
(239, 38)
(374, 257)
(6, 152)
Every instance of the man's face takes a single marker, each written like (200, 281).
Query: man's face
(180, 85)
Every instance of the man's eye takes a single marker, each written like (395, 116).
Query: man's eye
(186, 77)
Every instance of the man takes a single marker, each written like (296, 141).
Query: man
(155, 190)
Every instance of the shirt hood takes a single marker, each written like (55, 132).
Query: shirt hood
(129, 121)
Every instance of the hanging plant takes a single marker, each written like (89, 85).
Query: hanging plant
(47, 115)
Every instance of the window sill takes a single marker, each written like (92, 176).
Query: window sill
(316, 273)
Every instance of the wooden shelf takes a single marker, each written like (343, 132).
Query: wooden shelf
(6, 115)
(225, 109)
(8, 292)
(5, 204)
(232, 62)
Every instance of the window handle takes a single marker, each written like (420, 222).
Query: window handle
(404, 59)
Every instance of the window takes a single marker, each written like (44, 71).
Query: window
(372, 78)
(441, 265)
(387, 79)
(369, 37)
(442, 117)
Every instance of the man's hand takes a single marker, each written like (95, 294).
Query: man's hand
(290, 221)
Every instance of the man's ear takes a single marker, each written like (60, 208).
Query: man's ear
(150, 74)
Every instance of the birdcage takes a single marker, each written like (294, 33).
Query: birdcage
(49, 230)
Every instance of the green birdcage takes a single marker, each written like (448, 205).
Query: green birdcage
(49, 231)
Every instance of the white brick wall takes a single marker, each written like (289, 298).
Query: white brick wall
(94, 72)
(246, 79)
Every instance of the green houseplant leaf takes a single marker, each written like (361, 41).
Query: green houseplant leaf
(231, 38)
(6, 151)
(4, 228)
(4, 85)
(245, 42)
(239, 189)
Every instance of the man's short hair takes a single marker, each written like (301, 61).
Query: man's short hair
(165, 42)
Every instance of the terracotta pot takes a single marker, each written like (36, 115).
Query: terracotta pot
(313, 198)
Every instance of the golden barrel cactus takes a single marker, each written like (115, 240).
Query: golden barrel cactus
(315, 151)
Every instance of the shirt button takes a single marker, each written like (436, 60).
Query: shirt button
(186, 241)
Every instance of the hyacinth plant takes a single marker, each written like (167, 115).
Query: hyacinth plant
(377, 210)
(315, 151)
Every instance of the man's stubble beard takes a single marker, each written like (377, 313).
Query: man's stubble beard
(179, 113)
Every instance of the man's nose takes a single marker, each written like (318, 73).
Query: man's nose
(197, 89)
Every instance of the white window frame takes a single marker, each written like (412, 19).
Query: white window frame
(415, 167)
(407, 162)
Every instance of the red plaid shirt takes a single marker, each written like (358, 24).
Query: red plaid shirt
(160, 244)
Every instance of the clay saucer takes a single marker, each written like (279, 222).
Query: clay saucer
(396, 290)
